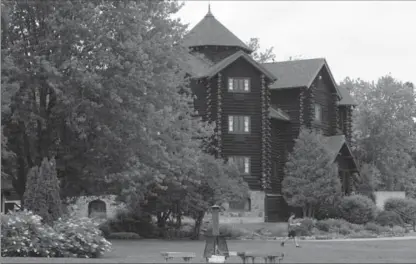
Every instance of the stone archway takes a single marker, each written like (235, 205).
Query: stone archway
(97, 209)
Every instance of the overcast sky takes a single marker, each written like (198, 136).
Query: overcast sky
(358, 39)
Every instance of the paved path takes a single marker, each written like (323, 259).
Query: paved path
(363, 239)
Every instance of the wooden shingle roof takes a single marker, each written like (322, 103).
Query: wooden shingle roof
(210, 32)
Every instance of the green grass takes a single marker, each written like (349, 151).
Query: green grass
(148, 251)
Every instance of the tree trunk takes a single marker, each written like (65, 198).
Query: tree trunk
(198, 223)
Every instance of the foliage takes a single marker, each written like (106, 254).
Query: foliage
(261, 57)
(306, 226)
(220, 182)
(368, 181)
(129, 222)
(124, 235)
(230, 231)
(42, 192)
(398, 230)
(375, 228)
(311, 176)
(404, 207)
(83, 239)
(357, 209)
(24, 235)
(328, 210)
(389, 218)
(127, 109)
(384, 128)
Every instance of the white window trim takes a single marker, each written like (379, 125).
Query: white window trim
(230, 123)
(246, 85)
(246, 163)
(246, 124)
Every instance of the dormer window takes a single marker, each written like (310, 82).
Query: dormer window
(239, 85)
(318, 113)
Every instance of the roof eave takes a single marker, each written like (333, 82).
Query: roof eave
(325, 64)
(233, 58)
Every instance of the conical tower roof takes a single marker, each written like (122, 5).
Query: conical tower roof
(210, 32)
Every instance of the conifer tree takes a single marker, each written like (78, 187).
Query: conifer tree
(42, 192)
(311, 176)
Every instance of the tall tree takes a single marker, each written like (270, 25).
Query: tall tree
(311, 176)
(42, 192)
(260, 56)
(383, 128)
(98, 81)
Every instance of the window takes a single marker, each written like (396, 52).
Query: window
(239, 85)
(318, 112)
(243, 163)
(239, 124)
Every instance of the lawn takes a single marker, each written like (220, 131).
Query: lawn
(148, 251)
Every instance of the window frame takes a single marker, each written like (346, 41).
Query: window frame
(243, 159)
(240, 88)
(235, 122)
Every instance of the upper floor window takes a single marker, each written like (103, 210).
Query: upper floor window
(239, 124)
(239, 85)
(318, 112)
(243, 163)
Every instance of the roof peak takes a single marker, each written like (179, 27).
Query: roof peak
(210, 32)
(209, 10)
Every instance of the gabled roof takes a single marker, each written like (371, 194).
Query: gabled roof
(334, 144)
(296, 73)
(210, 32)
(346, 97)
(230, 59)
(278, 114)
(302, 73)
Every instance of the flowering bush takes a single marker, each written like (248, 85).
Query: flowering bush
(83, 238)
(24, 235)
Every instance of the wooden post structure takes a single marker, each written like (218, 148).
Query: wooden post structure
(215, 243)
(215, 220)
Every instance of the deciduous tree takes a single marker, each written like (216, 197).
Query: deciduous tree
(260, 56)
(383, 128)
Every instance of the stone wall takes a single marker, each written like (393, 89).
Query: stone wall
(257, 208)
(381, 197)
(80, 206)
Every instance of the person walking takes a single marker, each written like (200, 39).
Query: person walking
(291, 230)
